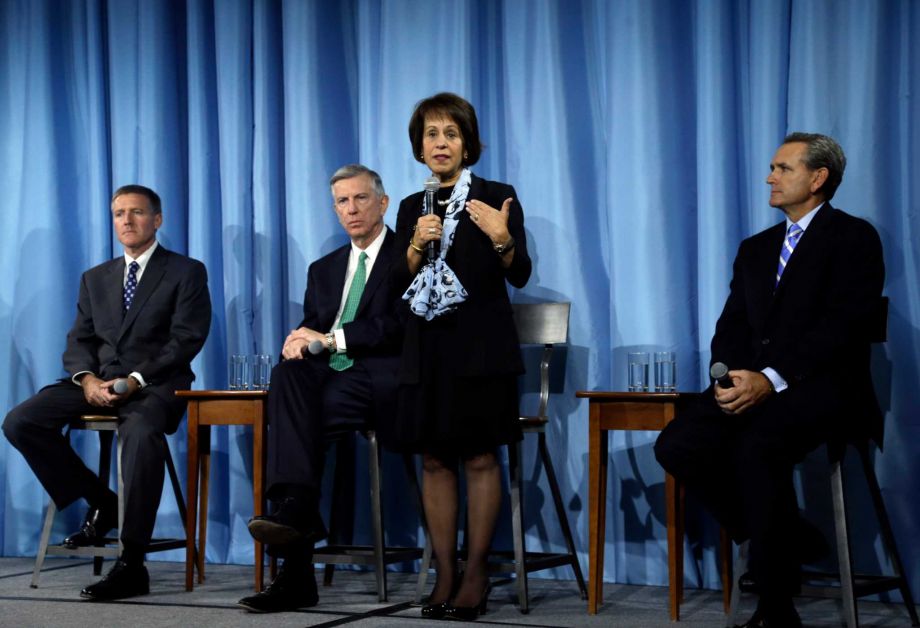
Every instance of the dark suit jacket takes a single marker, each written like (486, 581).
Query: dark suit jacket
(165, 328)
(487, 342)
(815, 328)
(373, 337)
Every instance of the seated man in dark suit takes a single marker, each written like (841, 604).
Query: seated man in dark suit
(338, 374)
(141, 318)
(795, 332)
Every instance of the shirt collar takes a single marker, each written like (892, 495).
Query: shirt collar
(805, 220)
(143, 258)
(372, 249)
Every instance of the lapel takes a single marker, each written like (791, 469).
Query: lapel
(115, 288)
(329, 304)
(153, 273)
(380, 270)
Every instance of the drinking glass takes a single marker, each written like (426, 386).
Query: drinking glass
(665, 371)
(638, 372)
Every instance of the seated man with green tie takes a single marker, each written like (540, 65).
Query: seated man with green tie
(338, 374)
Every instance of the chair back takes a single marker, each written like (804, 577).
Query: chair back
(541, 323)
(544, 324)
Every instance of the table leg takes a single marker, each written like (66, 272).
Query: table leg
(204, 440)
(191, 494)
(597, 500)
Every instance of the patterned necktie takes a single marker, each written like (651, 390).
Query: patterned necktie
(130, 285)
(792, 238)
(341, 361)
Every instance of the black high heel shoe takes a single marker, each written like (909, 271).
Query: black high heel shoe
(469, 613)
(435, 611)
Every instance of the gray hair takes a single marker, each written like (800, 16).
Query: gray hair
(353, 170)
(822, 152)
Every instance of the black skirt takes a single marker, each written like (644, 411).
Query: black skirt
(450, 415)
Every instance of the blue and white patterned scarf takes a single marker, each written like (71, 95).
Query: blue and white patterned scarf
(436, 289)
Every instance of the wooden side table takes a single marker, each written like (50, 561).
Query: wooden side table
(634, 411)
(220, 407)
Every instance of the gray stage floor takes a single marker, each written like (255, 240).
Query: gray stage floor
(352, 601)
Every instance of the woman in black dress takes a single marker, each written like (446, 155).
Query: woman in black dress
(461, 358)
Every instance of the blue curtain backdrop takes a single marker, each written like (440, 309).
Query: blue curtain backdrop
(637, 133)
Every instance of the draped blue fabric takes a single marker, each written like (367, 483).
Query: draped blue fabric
(637, 134)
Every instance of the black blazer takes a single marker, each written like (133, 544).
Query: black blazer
(373, 337)
(815, 328)
(158, 337)
(487, 342)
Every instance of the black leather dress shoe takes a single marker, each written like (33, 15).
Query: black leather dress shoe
(291, 522)
(97, 523)
(290, 590)
(122, 581)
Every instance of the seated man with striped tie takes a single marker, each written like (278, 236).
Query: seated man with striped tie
(795, 336)
(141, 318)
(338, 374)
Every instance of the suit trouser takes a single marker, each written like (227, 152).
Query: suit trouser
(741, 468)
(35, 428)
(309, 405)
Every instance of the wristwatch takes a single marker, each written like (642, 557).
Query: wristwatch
(330, 342)
(501, 249)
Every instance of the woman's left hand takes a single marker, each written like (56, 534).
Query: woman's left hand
(492, 222)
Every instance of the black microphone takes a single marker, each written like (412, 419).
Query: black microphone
(432, 184)
(316, 347)
(719, 372)
(120, 386)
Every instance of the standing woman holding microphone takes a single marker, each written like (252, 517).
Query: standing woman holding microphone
(458, 397)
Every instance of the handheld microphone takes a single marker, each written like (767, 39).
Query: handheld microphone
(431, 188)
(120, 386)
(316, 347)
(719, 372)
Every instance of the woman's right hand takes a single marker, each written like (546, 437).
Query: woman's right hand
(428, 228)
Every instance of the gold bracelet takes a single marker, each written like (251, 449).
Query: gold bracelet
(417, 249)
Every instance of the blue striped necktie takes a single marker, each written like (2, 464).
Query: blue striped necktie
(792, 238)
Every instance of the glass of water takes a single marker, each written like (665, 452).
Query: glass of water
(638, 372)
(665, 371)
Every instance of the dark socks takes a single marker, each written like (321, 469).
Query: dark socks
(132, 554)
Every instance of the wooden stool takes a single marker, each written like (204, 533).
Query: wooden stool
(107, 427)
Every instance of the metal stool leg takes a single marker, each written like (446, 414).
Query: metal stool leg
(560, 513)
(516, 473)
(739, 569)
(43, 543)
(377, 514)
(425, 562)
(848, 597)
(887, 534)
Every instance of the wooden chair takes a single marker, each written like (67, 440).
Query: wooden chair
(851, 585)
(106, 426)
